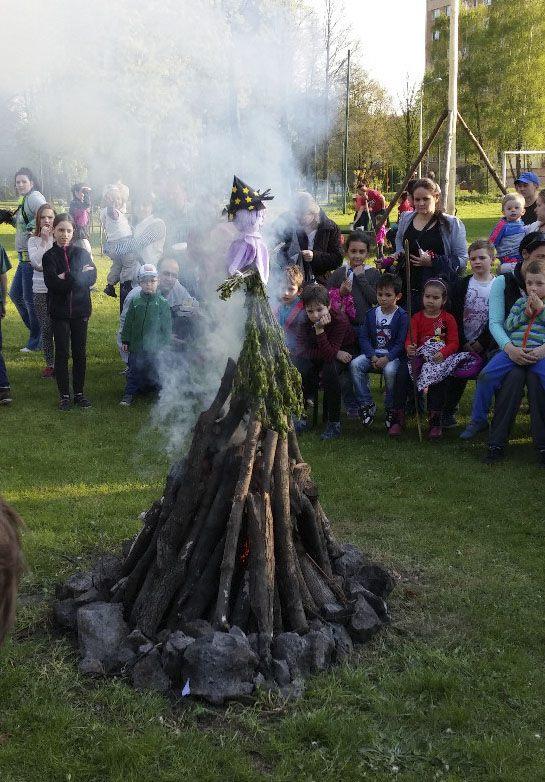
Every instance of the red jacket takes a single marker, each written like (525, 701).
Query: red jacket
(337, 335)
(443, 328)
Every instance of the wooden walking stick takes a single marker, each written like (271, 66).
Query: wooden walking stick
(411, 337)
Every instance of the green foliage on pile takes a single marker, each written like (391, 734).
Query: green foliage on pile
(265, 374)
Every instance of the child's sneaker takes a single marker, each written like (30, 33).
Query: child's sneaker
(472, 429)
(398, 422)
(435, 431)
(332, 431)
(388, 418)
(494, 454)
(448, 421)
(5, 396)
(65, 404)
(127, 400)
(81, 401)
(367, 414)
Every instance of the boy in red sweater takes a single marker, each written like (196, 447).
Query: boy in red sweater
(432, 344)
(326, 346)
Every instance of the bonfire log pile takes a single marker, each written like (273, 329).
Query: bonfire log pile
(235, 580)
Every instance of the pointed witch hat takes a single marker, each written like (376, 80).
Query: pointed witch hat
(245, 197)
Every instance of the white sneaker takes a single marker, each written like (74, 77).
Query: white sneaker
(25, 350)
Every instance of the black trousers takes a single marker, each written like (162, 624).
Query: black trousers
(455, 387)
(124, 289)
(403, 386)
(508, 400)
(70, 334)
(335, 377)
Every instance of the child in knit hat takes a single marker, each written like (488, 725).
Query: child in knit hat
(146, 332)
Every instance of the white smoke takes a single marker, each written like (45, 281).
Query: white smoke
(144, 87)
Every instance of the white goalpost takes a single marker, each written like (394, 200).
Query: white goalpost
(520, 153)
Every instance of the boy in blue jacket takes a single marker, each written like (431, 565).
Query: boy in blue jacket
(382, 342)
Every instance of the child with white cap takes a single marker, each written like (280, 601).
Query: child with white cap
(147, 330)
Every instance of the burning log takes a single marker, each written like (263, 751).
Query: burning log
(238, 559)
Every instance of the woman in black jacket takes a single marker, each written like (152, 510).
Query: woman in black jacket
(69, 273)
(309, 239)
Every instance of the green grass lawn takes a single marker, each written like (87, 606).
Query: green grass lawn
(453, 690)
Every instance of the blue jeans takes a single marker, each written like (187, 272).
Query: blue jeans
(360, 368)
(4, 382)
(490, 379)
(21, 295)
(143, 375)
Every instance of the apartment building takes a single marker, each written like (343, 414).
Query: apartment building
(434, 9)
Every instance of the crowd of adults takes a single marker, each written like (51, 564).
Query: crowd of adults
(155, 256)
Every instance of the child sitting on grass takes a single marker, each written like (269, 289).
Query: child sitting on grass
(431, 345)
(326, 346)
(382, 342)
(146, 332)
(507, 234)
(358, 279)
(291, 312)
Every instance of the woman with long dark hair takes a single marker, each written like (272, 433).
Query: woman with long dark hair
(437, 241)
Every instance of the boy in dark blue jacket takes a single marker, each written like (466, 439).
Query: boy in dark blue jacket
(382, 342)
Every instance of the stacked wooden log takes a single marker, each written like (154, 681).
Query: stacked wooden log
(237, 562)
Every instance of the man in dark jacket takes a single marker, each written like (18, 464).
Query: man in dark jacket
(309, 239)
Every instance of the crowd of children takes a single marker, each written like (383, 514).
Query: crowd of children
(425, 335)
(463, 327)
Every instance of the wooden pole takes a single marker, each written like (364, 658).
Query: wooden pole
(346, 118)
(414, 166)
(450, 161)
(483, 155)
(411, 336)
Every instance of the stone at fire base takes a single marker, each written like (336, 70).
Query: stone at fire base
(148, 674)
(173, 654)
(220, 667)
(364, 622)
(101, 630)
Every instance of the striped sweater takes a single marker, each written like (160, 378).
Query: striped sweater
(517, 323)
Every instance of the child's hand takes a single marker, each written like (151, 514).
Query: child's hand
(62, 276)
(411, 350)
(345, 288)
(324, 320)
(45, 233)
(438, 358)
(307, 255)
(125, 347)
(379, 362)
(343, 356)
(534, 305)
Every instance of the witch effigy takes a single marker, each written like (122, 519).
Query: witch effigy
(235, 581)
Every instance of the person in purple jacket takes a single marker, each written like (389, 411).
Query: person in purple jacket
(382, 342)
